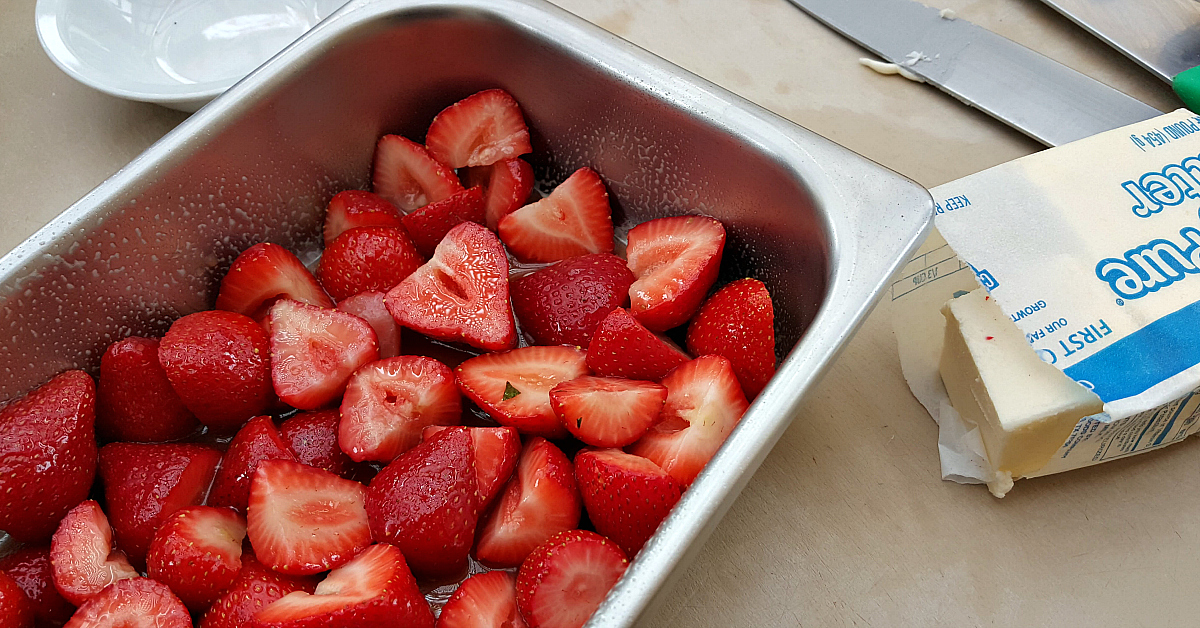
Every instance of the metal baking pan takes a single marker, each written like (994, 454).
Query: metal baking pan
(822, 226)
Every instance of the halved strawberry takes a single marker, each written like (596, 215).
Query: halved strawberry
(485, 600)
(575, 219)
(408, 176)
(676, 261)
(16, 609)
(30, 568)
(82, 556)
(738, 322)
(610, 481)
(134, 398)
(540, 501)
(368, 258)
(133, 603)
(219, 364)
(313, 437)
(47, 455)
(479, 130)
(369, 307)
(375, 589)
(623, 347)
(514, 386)
(198, 553)
(564, 303)
(564, 581)
(426, 502)
(356, 208)
(263, 273)
(429, 224)
(303, 520)
(388, 402)
(461, 294)
(255, 588)
(704, 404)
(257, 441)
(506, 187)
(144, 484)
(496, 451)
(314, 351)
(607, 411)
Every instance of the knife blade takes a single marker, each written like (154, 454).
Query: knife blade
(1030, 92)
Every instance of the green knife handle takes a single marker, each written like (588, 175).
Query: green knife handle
(1187, 85)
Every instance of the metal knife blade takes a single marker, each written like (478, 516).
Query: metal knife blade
(1030, 92)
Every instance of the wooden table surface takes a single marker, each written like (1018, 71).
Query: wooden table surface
(847, 522)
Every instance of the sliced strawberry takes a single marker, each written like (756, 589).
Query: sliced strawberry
(356, 208)
(622, 347)
(368, 258)
(496, 451)
(257, 441)
(255, 588)
(16, 609)
(47, 455)
(506, 187)
(145, 484)
(607, 411)
(389, 401)
(610, 480)
(263, 273)
(676, 261)
(738, 323)
(134, 603)
(479, 130)
(429, 224)
(369, 307)
(514, 386)
(485, 600)
(564, 581)
(704, 404)
(564, 303)
(426, 502)
(408, 176)
(198, 553)
(313, 437)
(30, 568)
(303, 520)
(314, 351)
(375, 589)
(82, 555)
(134, 399)
(575, 219)
(219, 364)
(461, 294)
(540, 501)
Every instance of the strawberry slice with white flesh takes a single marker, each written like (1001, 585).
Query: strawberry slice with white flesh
(607, 411)
(82, 556)
(506, 185)
(407, 176)
(565, 580)
(133, 603)
(485, 600)
(540, 501)
(461, 293)
(314, 351)
(514, 386)
(479, 130)
(676, 261)
(704, 404)
(496, 451)
(303, 520)
(374, 589)
(575, 219)
(264, 273)
(369, 307)
(389, 402)
(356, 208)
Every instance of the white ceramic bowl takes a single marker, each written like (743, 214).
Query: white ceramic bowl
(176, 53)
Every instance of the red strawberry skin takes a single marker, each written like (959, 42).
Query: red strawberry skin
(313, 437)
(356, 208)
(575, 219)
(514, 386)
(626, 496)
(134, 398)
(479, 130)
(263, 273)
(485, 600)
(429, 224)
(47, 455)
(144, 484)
(506, 184)
(258, 440)
(623, 347)
(368, 258)
(253, 590)
(198, 553)
(369, 307)
(496, 452)
(566, 579)
(738, 323)
(133, 602)
(388, 402)
(219, 364)
(409, 177)
(564, 303)
(30, 569)
(676, 261)
(426, 502)
(16, 609)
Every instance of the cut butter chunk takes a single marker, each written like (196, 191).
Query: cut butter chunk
(1025, 408)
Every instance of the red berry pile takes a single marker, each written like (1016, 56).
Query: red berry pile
(291, 459)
